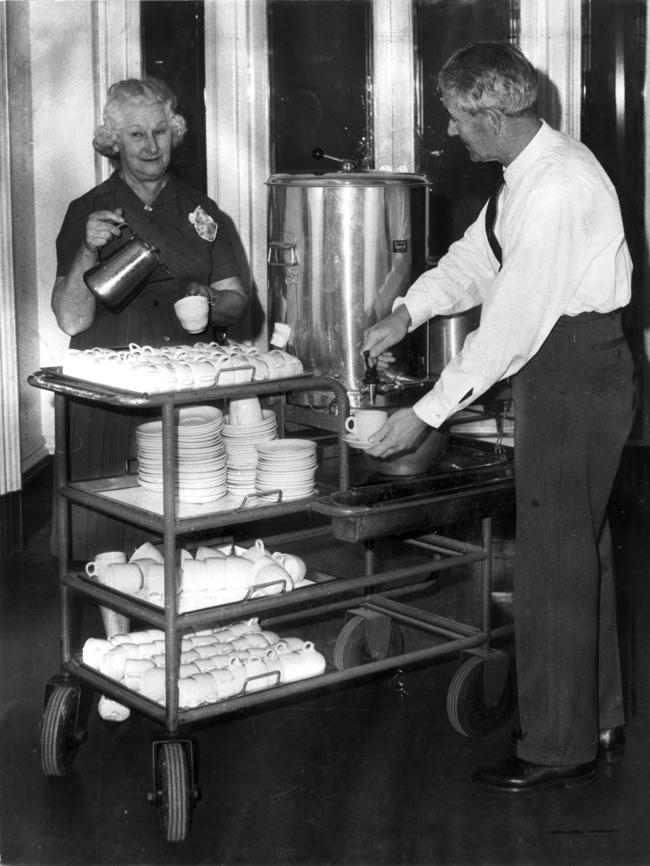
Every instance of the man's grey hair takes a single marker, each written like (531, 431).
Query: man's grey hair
(490, 75)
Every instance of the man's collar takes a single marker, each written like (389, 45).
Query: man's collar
(532, 151)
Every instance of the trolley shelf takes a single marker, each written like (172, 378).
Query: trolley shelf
(327, 588)
(53, 379)
(458, 638)
(122, 497)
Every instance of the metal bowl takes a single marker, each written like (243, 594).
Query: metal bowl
(415, 462)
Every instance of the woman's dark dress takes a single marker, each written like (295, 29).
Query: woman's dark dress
(101, 440)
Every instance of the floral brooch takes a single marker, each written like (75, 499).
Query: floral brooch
(205, 226)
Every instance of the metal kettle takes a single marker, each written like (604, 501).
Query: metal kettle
(120, 277)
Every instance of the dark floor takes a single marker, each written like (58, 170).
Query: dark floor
(367, 774)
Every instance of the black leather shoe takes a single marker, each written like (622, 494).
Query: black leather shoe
(514, 774)
(611, 744)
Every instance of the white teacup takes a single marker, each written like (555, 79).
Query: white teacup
(145, 565)
(207, 687)
(147, 551)
(289, 644)
(192, 312)
(113, 663)
(216, 568)
(274, 578)
(255, 552)
(245, 412)
(125, 576)
(97, 567)
(225, 682)
(156, 579)
(203, 373)
(294, 565)
(134, 670)
(239, 574)
(209, 553)
(93, 650)
(152, 684)
(111, 711)
(365, 422)
(196, 577)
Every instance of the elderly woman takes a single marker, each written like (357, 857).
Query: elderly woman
(139, 130)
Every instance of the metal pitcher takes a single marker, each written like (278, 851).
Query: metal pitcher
(118, 279)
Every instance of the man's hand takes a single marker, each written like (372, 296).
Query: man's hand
(403, 431)
(386, 333)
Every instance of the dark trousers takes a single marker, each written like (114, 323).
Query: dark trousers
(573, 413)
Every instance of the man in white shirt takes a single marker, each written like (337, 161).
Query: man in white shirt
(551, 281)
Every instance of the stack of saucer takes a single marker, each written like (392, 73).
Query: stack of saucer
(200, 459)
(241, 454)
(288, 465)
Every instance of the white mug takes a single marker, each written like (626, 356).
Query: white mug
(208, 553)
(365, 422)
(147, 551)
(245, 412)
(196, 577)
(155, 579)
(125, 576)
(97, 567)
(192, 312)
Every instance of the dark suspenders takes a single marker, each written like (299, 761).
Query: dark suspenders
(490, 217)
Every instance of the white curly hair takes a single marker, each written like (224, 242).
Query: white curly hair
(147, 91)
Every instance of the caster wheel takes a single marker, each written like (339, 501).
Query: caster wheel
(467, 708)
(59, 739)
(175, 799)
(352, 646)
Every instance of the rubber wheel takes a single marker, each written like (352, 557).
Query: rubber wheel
(351, 647)
(59, 741)
(466, 706)
(175, 795)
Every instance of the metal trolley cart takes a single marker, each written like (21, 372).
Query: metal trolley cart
(481, 696)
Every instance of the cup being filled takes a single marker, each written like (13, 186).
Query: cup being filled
(365, 422)
(192, 312)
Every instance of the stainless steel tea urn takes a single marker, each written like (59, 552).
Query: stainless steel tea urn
(341, 248)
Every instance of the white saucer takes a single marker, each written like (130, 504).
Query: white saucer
(353, 442)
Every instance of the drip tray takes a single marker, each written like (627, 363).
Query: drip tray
(471, 481)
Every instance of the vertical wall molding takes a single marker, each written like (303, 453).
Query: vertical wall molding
(117, 54)
(393, 77)
(551, 35)
(10, 473)
(646, 318)
(237, 123)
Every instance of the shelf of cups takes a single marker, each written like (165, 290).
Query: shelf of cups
(53, 379)
(250, 696)
(330, 589)
(154, 614)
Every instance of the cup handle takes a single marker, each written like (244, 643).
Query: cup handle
(91, 570)
(349, 424)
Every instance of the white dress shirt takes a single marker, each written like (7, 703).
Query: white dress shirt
(564, 253)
